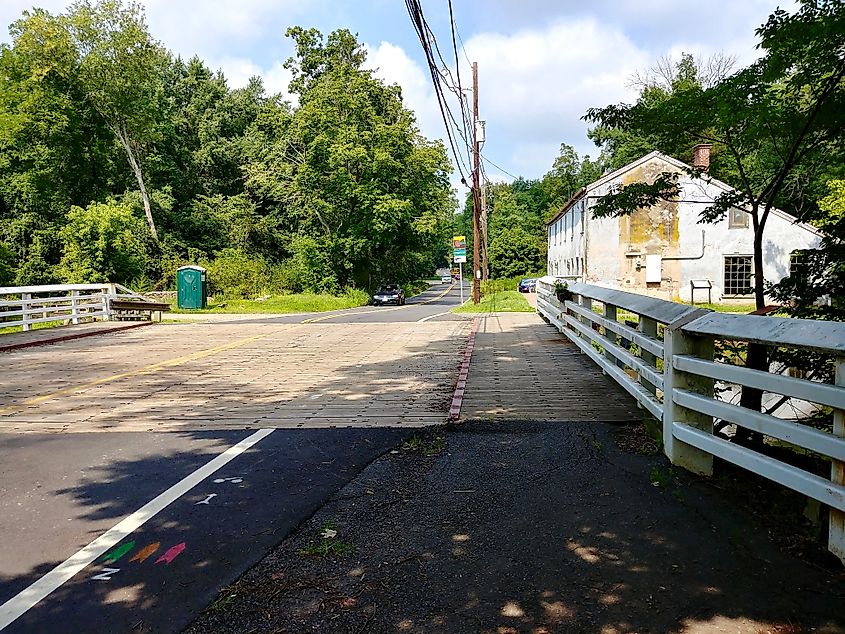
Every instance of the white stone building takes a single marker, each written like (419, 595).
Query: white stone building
(663, 250)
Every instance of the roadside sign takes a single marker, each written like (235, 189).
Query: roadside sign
(459, 246)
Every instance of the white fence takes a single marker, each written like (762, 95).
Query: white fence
(663, 356)
(28, 305)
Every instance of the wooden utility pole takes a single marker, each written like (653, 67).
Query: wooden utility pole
(476, 193)
(485, 264)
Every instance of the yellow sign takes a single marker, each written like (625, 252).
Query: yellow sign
(459, 242)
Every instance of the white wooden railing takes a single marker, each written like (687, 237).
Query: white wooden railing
(28, 305)
(666, 363)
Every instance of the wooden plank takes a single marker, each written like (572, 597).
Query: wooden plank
(658, 309)
(808, 334)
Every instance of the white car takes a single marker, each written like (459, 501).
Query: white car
(446, 279)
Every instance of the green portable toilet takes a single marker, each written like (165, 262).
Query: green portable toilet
(191, 287)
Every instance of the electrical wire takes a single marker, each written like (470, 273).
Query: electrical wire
(498, 167)
(441, 79)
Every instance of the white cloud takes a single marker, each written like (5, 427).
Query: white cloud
(239, 70)
(215, 27)
(534, 86)
(393, 65)
(276, 80)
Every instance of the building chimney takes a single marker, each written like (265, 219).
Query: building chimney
(701, 156)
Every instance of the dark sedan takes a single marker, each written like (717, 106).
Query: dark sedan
(528, 285)
(390, 294)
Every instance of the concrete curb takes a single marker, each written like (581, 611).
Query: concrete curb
(463, 374)
(78, 335)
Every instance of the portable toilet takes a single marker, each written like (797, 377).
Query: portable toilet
(191, 287)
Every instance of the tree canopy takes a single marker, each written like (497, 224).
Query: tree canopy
(338, 190)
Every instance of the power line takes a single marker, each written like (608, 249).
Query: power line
(432, 52)
(498, 167)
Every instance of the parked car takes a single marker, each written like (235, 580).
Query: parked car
(389, 294)
(528, 285)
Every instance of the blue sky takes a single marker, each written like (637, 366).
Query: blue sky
(542, 63)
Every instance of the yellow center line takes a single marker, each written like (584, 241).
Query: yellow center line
(147, 369)
(379, 310)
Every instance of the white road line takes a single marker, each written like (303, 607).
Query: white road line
(26, 599)
(419, 321)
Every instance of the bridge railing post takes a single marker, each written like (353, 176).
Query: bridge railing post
(648, 327)
(105, 300)
(74, 307)
(25, 308)
(610, 313)
(587, 304)
(676, 342)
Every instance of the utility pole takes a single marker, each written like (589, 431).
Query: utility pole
(485, 264)
(476, 193)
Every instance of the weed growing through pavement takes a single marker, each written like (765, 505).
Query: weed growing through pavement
(223, 602)
(426, 446)
(659, 478)
(329, 545)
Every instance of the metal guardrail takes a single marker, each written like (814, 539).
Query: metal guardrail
(666, 363)
(28, 305)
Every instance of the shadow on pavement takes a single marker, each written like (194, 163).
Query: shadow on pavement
(531, 527)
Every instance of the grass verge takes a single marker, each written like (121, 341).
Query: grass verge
(48, 324)
(728, 308)
(293, 303)
(498, 301)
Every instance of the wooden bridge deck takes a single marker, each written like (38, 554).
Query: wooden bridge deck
(523, 369)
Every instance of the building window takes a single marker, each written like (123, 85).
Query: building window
(798, 266)
(739, 271)
(737, 219)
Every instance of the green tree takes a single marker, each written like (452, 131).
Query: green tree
(514, 251)
(7, 272)
(814, 288)
(120, 70)
(101, 244)
(349, 168)
(569, 174)
(54, 149)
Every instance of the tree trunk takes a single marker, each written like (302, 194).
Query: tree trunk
(136, 169)
(759, 288)
(757, 357)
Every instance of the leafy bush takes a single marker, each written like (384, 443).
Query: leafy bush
(235, 274)
(101, 244)
(310, 268)
(503, 284)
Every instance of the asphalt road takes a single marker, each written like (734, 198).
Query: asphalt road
(434, 303)
(136, 532)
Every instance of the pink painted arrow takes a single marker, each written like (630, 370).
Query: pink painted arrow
(171, 554)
